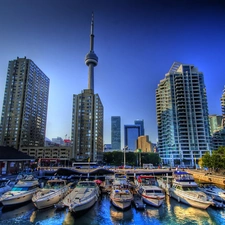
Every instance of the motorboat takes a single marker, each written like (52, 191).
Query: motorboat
(5, 185)
(53, 192)
(120, 195)
(217, 194)
(82, 197)
(147, 187)
(185, 190)
(21, 192)
(106, 185)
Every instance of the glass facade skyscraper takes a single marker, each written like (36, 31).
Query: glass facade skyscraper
(131, 134)
(116, 132)
(182, 116)
(24, 111)
(141, 123)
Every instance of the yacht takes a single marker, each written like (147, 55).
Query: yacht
(120, 195)
(82, 197)
(217, 194)
(5, 185)
(53, 192)
(147, 187)
(21, 192)
(184, 189)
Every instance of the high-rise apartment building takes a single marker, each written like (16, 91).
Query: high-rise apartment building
(182, 116)
(141, 123)
(218, 137)
(87, 115)
(222, 100)
(24, 111)
(116, 132)
(131, 134)
(215, 123)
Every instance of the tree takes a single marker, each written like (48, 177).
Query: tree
(206, 160)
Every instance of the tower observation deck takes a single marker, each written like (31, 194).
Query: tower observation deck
(91, 59)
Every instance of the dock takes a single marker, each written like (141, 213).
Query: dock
(208, 177)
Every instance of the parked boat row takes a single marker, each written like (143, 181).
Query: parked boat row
(145, 190)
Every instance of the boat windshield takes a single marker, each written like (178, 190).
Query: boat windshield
(190, 188)
(86, 184)
(20, 188)
(153, 191)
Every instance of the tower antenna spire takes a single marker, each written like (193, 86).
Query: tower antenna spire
(92, 33)
(91, 59)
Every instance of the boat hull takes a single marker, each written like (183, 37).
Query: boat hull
(78, 207)
(184, 198)
(121, 204)
(17, 198)
(156, 202)
(49, 199)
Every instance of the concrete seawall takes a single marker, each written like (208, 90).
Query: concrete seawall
(207, 177)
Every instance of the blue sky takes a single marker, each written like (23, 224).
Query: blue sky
(136, 41)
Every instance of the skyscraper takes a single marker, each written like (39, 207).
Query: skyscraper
(116, 132)
(87, 115)
(24, 111)
(222, 100)
(215, 123)
(141, 123)
(182, 116)
(131, 134)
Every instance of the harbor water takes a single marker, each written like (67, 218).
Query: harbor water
(103, 213)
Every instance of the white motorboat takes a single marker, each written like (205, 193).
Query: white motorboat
(82, 197)
(5, 185)
(53, 192)
(21, 192)
(120, 195)
(147, 187)
(185, 190)
(217, 194)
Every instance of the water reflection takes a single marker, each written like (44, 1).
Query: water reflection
(43, 214)
(20, 212)
(193, 215)
(118, 215)
(154, 212)
(69, 219)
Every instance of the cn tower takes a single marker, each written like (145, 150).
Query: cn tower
(91, 59)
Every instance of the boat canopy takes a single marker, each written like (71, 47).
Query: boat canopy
(181, 173)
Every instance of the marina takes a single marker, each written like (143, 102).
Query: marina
(102, 211)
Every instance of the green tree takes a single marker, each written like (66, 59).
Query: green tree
(206, 160)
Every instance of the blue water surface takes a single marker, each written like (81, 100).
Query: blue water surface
(103, 213)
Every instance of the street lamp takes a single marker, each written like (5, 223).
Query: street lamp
(139, 150)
